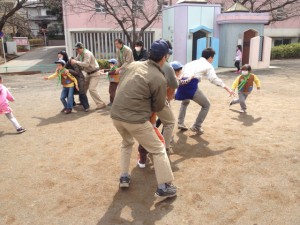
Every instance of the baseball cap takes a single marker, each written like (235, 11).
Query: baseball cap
(176, 65)
(60, 61)
(159, 48)
(113, 61)
(79, 45)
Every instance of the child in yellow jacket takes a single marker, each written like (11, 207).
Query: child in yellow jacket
(68, 82)
(244, 83)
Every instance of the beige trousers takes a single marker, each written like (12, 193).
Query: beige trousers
(91, 83)
(146, 136)
(168, 120)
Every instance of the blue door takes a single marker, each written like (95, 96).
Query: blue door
(215, 45)
(201, 45)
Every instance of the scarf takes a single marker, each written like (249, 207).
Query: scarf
(242, 84)
(60, 72)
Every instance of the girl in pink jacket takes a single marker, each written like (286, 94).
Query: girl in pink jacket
(5, 97)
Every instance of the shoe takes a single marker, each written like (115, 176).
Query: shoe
(68, 111)
(231, 103)
(100, 107)
(109, 104)
(87, 110)
(63, 110)
(182, 127)
(197, 130)
(242, 111)
(21, 130)
(141, 165)
(169, 192)
(124, 182)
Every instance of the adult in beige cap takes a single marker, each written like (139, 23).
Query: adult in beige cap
(87, 61)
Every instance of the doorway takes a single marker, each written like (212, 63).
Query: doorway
(246, 45)
(197, 35)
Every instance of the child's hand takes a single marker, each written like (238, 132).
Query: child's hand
(67, 71)
(77, 88)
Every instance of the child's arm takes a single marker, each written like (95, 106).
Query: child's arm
(51, 76)
(257, 82)
(235, 83)
(9, 96)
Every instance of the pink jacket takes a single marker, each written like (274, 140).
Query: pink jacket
(5, 96)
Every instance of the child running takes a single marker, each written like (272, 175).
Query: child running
(244, 83)
(5, 97)
(68, 81)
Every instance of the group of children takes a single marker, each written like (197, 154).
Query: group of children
(244, 83)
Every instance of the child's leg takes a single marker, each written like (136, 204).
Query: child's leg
(64, 94)
(242, 100)
(70, 92)
(12, 119)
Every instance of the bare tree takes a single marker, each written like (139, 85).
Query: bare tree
(279, 9)
(132, 16)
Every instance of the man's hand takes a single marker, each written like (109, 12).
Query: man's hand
(231, 92)
(73, 61)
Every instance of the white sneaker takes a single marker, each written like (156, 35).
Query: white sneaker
(242, 111)
(141, 165)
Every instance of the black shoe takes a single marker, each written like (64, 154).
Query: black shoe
(21, 130)
(68, 111)
(231, 103)
(169, 192)
(124, 182)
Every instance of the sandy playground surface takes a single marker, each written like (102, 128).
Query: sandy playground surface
(243, 170)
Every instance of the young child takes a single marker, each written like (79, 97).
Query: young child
(114, 79)
(68, 82)
(238, 58)
(5, 97)
(244, 83)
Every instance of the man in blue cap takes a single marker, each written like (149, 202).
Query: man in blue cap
(142, 91)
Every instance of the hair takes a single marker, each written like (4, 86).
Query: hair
(139, 43)
(65, 55)
(208, 52)
(0, 78)
(239, 47)
(247, 67)
(120, 41)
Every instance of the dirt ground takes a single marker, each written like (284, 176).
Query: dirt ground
(64, 169)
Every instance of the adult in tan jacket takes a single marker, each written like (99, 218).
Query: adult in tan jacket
(124, 55)
(87, 61)
(142, 91)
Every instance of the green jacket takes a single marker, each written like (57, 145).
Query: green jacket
(141, 91)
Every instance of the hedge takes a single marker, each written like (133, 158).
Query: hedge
(286, 51)
(37, 42)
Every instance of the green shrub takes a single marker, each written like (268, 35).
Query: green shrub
(103, 64)
(286, 51)
(36, 42)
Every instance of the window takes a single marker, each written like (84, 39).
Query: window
(282, 42)
(99, 8)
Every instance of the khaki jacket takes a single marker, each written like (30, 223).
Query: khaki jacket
(124, 56)
(87, 61)
(141, 91)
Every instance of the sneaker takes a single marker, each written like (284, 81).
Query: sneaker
(141, 165)
(109, 104)
(87, 110)
(63, 110)
(182, 127)
(68, 111)
(242, 111)
(21, 130)
(197, 130)
(101, 107)
(124, 182)
(231, 103)
(169, 192)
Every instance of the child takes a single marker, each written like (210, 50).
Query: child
(238, 58)
(113, 79)
(244, 82)
(5, 97)
(67, 81)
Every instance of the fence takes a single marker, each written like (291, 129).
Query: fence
(102, 43)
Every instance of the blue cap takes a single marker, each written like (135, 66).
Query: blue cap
(60, 61)
(176, 65)
(159, 48)
(113, 61)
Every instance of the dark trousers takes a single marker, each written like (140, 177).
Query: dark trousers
(112, 91)
(237, 64)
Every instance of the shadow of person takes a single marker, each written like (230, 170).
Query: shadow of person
(188, 151)
(59, 118)
(136, 204)
(246, 119)
(2, 133)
